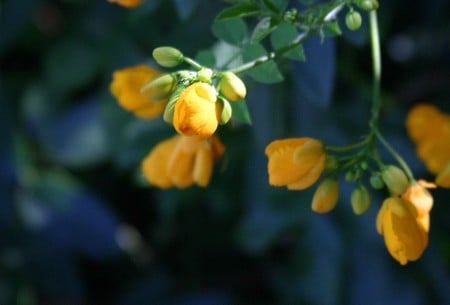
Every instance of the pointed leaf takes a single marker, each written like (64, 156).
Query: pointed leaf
(233, 30)
(240, 111)
(264, 27)
(240, 10)
(283, 36)
(265, 73)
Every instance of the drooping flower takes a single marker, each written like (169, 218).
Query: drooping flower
(429, 128)
(326, 196)
(296, 162)
(197, 112)
(126, 88)
(182, 161)
(404, 232)
(419, 196)
(127, 3)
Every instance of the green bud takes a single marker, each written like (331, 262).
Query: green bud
(353, 20)
(232, 86)
(368, 5)
(360, 199)
(167, 56)
(331, 163)
(226, 113)
(395, 179)
(376, 181)
(159, 87)
(204, 75)
(352, 175)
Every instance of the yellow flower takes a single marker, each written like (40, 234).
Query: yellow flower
(196, 111)
(429, 128)
(418, 195)
(443, 178)
(182, 161)
(405, 234)
(326, 196)
(127, 3)
(296, 162)
(126, 88)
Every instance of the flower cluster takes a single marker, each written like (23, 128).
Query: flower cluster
(194, 102)
(429, 128)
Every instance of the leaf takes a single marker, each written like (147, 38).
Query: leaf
(185, 8)
(277, 6)
(265, 73)
(264, 27)
(241, 112)
(284, 34)
(240, 10)
(206, 58)
(331, 29)
(233, 30)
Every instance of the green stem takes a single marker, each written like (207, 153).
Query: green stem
(397, 157)
(376, 65)
(349, 147)
(193, 63)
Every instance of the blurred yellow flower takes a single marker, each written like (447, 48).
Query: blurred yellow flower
(405, 233)
(429, 128)
(296, 162)
(419, 196)
(182, 161)
(443, 178)
(126, 88)
(127, 3)
(196, 111)
(326, 196)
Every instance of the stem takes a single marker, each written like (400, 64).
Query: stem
(193, 63)
(397, 157)
(376, 65)
(349, 147)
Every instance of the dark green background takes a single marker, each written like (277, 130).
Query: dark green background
(70, 186)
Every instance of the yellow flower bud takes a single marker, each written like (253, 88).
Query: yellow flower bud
(405, 234)
(167, 56)
(360, 200)
(159, 87)
(196, 111)
(127, 3)
(204, 75)
(296, 163)
(126, 88)
(232, 86)
(326, 196)
(395, 179)
(443, 178)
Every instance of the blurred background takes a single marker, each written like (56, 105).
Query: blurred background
(79, 226)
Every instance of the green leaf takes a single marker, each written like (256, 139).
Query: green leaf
(331, 29)
(233, 30)
(240, 111)
(170, 107)
(264, 27)
(283, 36)
(265, 73)
(277, 6)
(240, 10)
(206, 58)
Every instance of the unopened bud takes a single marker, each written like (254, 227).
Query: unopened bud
(167, 56)
(368, 5)
(352, 175)
(353, 20)
(232, 87)
(331, 163)
(376, 181)
(395, 179)
(360, 200)
(204, 75)
(159, 87)
(326, 196)
(226, 113)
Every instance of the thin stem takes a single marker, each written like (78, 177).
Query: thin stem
(349, 147)
(376, 65)
(193, 63)
(397, 157)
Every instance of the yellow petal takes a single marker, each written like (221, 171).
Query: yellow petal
(443, 178)
(180, 166)
(311, 177)
(203, 166)
(326, 196)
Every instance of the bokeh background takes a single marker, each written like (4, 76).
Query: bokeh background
(79, 226)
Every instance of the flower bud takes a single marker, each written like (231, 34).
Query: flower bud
(167, 56)
(376, 181)
(360, 200)
(352, 175)
(226, 112)
(232, 86)
(395, 179)
(331, 163)
(368, 5)
(204, 75)
(159, 87)
(353, 20)
(326, 196)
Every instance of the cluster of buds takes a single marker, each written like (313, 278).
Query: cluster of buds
(198, 101)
